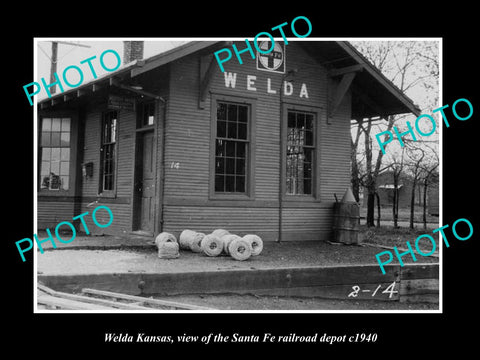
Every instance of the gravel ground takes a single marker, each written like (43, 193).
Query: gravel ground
(291, 254)
(249, 302)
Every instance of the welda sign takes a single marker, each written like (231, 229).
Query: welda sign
(254, 84)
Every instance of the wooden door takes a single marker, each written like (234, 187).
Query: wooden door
(147, 183)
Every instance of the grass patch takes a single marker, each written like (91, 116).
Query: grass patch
(390, 236)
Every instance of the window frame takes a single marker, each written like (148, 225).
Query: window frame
(317, 113)
(101, 191)
(250, 161)
(141, 105)
(72, 155)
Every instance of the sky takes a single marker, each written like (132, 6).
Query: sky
(73, 55)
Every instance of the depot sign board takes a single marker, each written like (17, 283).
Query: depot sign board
(270, 53)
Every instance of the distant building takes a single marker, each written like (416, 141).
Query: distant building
(385, 189)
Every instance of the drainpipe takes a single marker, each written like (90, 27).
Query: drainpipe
(282, 156)
(163, 109)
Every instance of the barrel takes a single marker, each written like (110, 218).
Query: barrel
(346, 221)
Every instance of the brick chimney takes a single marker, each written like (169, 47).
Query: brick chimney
(132, 50)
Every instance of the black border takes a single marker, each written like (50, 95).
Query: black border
(404, 334)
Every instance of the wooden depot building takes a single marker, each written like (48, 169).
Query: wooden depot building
(171, 143)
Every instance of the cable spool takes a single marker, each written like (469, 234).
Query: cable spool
(168, 250)
(220, 233)
(196, 242)
(240, 249)
(186, 237)
(255, 242)
(165, 237)
(227, 239)
(212, 245)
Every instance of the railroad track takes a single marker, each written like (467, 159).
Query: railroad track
(99, 300)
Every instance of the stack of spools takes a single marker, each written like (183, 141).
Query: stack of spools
(167, 246)
(220, 241)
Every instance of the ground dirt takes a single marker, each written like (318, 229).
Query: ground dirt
(97, 255)
(274, 303)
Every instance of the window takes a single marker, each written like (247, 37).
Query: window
(231, 147)
(146, 114)
(300, 153)
(55, 154)
(108, 151)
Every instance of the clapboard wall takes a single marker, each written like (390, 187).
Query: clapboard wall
(188, 201)
(120, 201)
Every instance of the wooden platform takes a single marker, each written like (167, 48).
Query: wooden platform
(91, 299)
(413, 282)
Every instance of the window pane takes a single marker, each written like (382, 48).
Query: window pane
(240, 184)
(46, 154)
(308, 155)
(113, 133)
(219, 148)
(148, 114)
(240, 167)
(64, 181)
(308, 138)
(219, 183)
(232, 113)
(64, 165)
(221, 111)
(66, 125)
(56, 124)
(229, 183)
(45, 168)
(65, 139)
(46, 124)
(307, 186)
(230, 166)
(219, 165)
(289, 186)
(307, 169)
(232, 130)
(243, 114)
(241, 149)
(55, 154)
(291, 120)
(45, 138)
(309, 122)
(55, 167)
(55, 139)
(300, 120)
(221, 129)
(242, 131)
(230, 148)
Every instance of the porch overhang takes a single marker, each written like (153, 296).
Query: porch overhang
(373, 95)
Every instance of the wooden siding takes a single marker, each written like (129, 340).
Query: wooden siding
(188, 136)
(51, 212)
(121, 203)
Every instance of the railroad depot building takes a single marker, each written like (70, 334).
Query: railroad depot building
(171, 142)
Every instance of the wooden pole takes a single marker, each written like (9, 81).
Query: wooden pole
(53, 65)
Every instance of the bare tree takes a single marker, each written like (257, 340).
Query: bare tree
(429, 175)
(397, 169)
(416, 155)
(401, 62)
